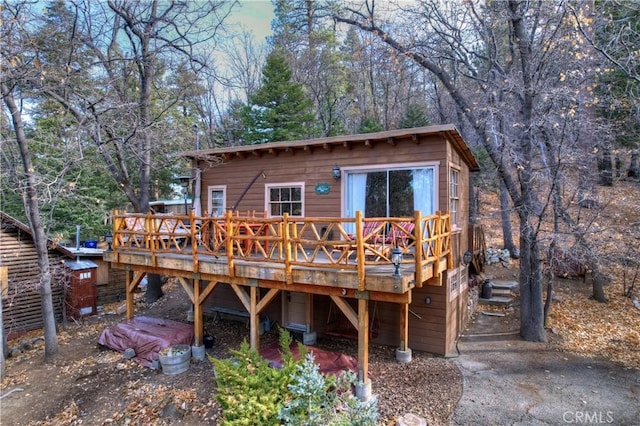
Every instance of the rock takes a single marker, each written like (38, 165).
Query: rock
(129, 353)
(411, 420)
(493, 255)
(172, 412)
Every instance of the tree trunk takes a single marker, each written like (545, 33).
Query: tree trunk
(599, 280)
(634, 167)
(32, 209)
(605, 166)
(505, 213)
(154, 288)
(474, 207)
(531, 306)
(549, 299)
(618, 167)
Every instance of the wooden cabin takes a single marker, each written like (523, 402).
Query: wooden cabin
(387, 174)
(357, 236)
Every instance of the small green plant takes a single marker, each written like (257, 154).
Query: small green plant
(251, 392)
(316, 399)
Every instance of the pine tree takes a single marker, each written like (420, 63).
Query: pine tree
(414, 116)
(370, 125)
(280, 110)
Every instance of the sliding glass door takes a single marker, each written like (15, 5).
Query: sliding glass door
(393, 192)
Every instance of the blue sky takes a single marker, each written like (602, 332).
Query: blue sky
(255, 15)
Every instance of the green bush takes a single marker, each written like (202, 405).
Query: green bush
(316, 399)
(250, 392)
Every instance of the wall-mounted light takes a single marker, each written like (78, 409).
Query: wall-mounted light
(108, 238)
(184, 181)
(466, 258)
(396, 259)
(336, 172)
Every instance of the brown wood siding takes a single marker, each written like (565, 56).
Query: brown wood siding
(22, 305)
(110, 283)
(428, 333)
(455, 160)
(316, 167)
(22, 311)
(19, 255)
(295, 310)
(222, 296)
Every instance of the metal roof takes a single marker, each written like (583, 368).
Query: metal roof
(77, 265)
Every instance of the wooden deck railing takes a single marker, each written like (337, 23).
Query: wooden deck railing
(325, 243)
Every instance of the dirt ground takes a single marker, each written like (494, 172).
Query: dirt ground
(86, 385)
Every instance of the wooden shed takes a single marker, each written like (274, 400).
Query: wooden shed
(21, 308)
(21, 297)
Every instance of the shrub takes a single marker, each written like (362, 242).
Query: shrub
(316, 399)
(251, 392)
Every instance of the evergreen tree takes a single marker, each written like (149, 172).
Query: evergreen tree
(414, 116)
(280, 110)
(369, 125)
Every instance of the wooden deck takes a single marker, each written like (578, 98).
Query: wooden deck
(328, 256)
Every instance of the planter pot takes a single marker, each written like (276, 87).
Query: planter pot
(175, 359)
(208, 341)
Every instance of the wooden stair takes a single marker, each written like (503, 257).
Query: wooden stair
(501, 293)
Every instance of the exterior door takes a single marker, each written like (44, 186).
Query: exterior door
(296, 311)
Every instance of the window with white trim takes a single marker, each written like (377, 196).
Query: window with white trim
(217, 200)
(454, 196)
(285, 198)
(391, 192)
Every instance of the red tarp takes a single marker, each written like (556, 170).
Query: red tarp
(147, 336)
(328, 362)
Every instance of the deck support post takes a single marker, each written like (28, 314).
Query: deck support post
(130, 305)
(197, 350)
(132, 280)
(363, 387)
(198, 324)
(403, 353)
(309, 337)
(254, 318)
